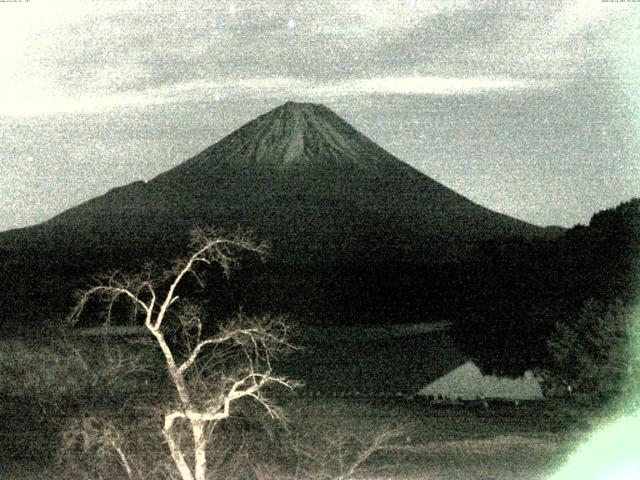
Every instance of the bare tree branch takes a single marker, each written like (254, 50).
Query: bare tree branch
(252, 341)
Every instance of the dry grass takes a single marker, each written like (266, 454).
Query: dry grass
(452, 443)
(506, 457)
(67, 366)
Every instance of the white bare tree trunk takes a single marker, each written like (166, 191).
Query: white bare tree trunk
(199, 444)
(174, 448)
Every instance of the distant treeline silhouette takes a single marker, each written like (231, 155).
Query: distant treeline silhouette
(522, 290)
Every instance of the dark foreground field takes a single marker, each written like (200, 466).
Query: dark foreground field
(453, 442)
(46, 386)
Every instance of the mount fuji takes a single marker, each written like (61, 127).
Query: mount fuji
(300, 177)
(333, 205)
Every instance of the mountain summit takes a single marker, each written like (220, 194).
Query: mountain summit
(294, 136)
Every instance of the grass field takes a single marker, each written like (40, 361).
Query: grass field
(46, 385)
(451, 443)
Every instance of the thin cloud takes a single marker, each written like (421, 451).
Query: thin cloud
(371, 17)
(427, 85)
(115, 57)
(41, 103)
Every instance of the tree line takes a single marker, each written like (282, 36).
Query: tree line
(564, 307)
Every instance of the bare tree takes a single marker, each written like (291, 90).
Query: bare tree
(206, 383)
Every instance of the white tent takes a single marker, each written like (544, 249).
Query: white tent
(466, 382)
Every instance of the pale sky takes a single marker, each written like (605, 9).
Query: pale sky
(529, 108)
